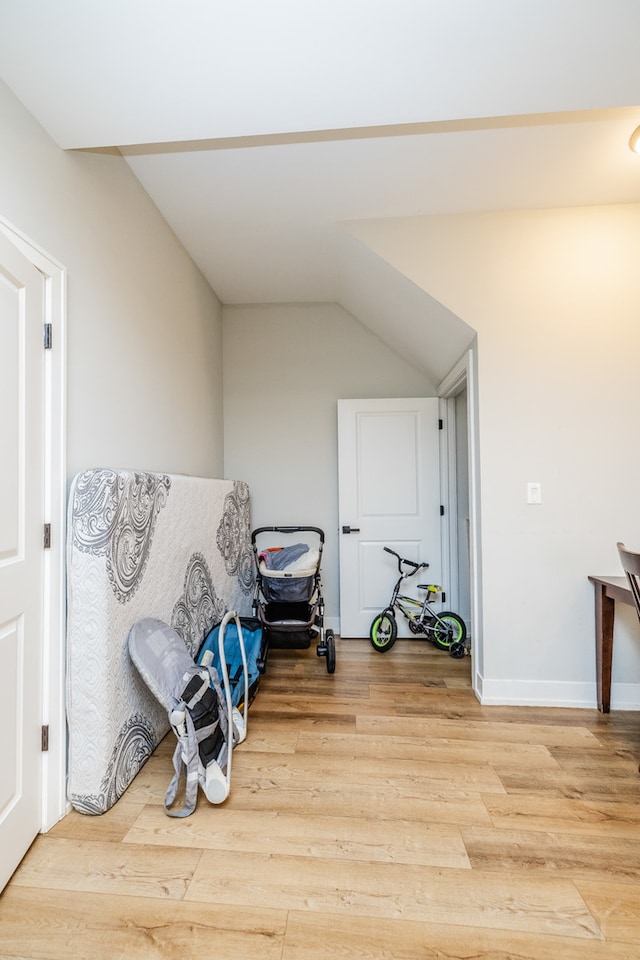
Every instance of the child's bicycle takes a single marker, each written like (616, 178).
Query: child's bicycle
(447, 630)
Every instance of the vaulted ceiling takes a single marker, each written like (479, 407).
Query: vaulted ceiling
(263, 129)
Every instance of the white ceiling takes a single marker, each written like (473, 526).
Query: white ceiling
(261, 128)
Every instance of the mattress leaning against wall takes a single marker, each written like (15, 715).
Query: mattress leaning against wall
(140, 544)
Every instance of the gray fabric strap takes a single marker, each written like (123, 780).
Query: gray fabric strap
(190, 765)
(167, 668)
(186, 756)
(222, 702)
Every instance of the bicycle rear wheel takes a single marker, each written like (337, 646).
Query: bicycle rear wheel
(448, 629)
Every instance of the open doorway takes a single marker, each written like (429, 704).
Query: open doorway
(459, 485)
(462, 547)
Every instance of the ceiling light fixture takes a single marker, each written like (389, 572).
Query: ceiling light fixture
(634, 142)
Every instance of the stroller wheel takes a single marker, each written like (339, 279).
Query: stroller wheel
(328, 649)
(330, 644)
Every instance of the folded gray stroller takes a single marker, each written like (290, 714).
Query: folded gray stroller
(199, 707)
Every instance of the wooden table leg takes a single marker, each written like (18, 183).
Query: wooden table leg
(605, 609)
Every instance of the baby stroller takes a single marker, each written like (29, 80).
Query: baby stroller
(288, 598)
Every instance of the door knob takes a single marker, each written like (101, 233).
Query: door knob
(348, 529)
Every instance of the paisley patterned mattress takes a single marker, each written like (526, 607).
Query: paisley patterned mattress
(138, 545)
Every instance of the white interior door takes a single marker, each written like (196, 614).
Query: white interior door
(389, 495)
(21, 553)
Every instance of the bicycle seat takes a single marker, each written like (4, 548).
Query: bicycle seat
(431, 587)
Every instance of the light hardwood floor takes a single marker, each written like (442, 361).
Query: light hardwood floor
(377, 813)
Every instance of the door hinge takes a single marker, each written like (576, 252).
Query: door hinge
(45, 738)
(440, 424)
(443, 596)
(47, 536)
(48, 336)
(441, 510)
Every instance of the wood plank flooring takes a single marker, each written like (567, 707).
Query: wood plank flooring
(377, 813)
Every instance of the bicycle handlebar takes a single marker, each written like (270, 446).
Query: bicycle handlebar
(409, 563)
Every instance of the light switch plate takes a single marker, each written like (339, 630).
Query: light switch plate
(534, 493)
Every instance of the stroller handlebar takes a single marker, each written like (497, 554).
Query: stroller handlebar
(287, 529)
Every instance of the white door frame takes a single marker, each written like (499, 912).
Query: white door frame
(54, 761)
(463, 373)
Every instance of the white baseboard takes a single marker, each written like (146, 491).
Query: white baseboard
(625, 696)
(525, 693)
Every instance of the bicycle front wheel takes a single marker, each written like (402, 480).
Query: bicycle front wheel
(384, 631)
(449, 628)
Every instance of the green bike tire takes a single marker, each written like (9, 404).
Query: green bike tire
(383, 632)
(451, 630)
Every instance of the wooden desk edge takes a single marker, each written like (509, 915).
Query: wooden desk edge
(615, 587)
(607, 590)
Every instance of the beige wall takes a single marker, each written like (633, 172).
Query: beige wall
(285, 368)
(555, 298)
(144, 328)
